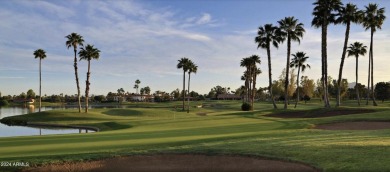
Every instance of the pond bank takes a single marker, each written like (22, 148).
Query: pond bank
(45, 125)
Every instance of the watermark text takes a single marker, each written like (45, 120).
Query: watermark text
(14, 164)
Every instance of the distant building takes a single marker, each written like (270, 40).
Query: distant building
(141, 98)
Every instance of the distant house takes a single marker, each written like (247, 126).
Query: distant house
(140, 98)
(228, 97)
(119, 99)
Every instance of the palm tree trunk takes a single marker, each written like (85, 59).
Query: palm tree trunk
(270, 77)
(287, 71)
(77, 78)
(369, 73)
(325, 64)
(189, 78)
(184, 87)
(338, 101)
(40, 85)
(296, 102)
(372, 68)
(356, 85)
(87, 87)
(253, 89)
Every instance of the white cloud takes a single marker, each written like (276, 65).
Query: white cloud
(206, 18)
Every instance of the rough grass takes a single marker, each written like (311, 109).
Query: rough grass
(145, 129)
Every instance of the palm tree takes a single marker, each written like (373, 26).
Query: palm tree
(245, 92)
(266, 35)
(299, 62)
(324, 14)
(88, 54)
(41, 54)
(192, 68)
(347, 15)
(255, 71)
(357, 49)
(250, 75)
(293, 31)
(373, 20)
(247, 63)
(75, 40)
(136, 86)
(183, 64)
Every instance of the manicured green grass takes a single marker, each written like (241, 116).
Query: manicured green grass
(150, 128)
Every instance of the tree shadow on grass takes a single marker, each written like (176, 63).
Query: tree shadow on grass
(123, 112)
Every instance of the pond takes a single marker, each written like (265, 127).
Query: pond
(10, 131)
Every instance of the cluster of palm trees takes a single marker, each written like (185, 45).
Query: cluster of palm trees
(188, 66)
(325, 12)
(333, 12)
(289, 29)
(88, 53)
(250, 75)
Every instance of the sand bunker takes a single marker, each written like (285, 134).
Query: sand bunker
(176, 163)
(362, 125)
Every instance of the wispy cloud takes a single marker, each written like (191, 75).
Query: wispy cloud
(205, 19)
(12, 77)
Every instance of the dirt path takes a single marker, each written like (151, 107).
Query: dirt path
(179, 163)
(362, 125)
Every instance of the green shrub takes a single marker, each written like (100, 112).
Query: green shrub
(245, 107)
(4, 103)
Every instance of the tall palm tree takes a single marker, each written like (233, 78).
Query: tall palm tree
(357, 49)
(250, 63)
(347, 15)
(183, 64)
(267, 35)
(136, 86)
(192, 68)
(75, 40)
(41, 54)
(88, 54)
(324, 14)
(247, 63)
(293, 31)
(299, 62)
(373, 20)
(255, 59)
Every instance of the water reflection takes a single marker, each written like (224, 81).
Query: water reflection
(31, 108)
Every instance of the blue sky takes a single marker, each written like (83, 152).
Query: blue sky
(144, 39)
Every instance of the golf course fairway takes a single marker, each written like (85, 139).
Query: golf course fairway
(221, 129)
